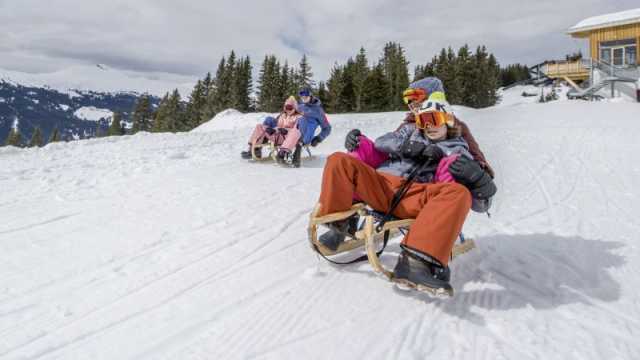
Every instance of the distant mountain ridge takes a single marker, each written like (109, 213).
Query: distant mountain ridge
(48, 109)
(76, 100)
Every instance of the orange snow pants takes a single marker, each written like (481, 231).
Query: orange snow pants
(439, 209)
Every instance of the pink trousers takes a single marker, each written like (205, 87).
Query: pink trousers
(288, 141)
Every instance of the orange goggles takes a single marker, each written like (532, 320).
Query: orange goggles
(414, 95)
(431, 119)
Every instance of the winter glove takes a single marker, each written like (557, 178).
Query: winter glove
(270, 131)
(433, 153)
(413, 150)
(316, 140)
(283, 131)
(352, 141)
(469, 173)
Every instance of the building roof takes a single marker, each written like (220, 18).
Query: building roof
(607, 20)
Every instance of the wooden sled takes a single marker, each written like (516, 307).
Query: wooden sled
(368, 236)
(272, 152)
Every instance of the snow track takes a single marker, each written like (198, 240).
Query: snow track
(170, 247)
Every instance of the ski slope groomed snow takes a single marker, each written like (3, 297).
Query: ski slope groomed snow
(169, 246)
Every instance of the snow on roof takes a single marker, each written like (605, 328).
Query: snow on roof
(607, 20)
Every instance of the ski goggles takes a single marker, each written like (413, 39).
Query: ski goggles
(410, 96)
(288, 107)
(431, 119)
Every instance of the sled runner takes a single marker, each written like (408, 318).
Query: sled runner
(369, 235)
(269, 151)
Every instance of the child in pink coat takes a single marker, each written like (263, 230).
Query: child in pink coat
(281, 130)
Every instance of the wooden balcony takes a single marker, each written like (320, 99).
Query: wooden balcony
(573, 70)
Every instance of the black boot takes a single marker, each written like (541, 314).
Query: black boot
(338, 232)
(247, 154)
(414, 270)
(297, 153)
(282, 155)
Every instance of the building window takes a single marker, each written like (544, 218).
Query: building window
(619, 52)
(630, 53)
(605, 55)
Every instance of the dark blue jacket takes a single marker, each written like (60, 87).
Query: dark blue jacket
(313, 117)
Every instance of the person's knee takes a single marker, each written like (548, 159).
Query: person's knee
(460, 193)
(337, 157)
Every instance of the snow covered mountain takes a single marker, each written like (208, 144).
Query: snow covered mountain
(75, 100)
(103, 79)
(169, 246)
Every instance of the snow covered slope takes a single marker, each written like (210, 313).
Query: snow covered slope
(169, 246)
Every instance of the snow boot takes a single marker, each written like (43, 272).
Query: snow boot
(282, 156)
(338, 232)
(297, 154)
(422, 273)
(247, 154)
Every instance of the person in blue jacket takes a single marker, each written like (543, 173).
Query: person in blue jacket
(313, 117)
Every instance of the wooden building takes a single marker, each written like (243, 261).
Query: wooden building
(613, 38)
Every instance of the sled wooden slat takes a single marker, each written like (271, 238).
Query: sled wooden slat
(370, 246)
(461, 248)
(270, 156)
(335, 216)
(314, 221)
(368, 236)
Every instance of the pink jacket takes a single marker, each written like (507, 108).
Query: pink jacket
(368, 154)
(289, 121)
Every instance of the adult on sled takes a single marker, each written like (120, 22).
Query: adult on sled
(314, 117)
(281, 130)
(360, 146)
(447, 183)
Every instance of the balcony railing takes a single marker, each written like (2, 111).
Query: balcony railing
(570, 69)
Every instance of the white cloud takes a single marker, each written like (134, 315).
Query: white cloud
(190, 37)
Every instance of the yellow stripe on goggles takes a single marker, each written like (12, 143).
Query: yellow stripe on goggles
(414, 95)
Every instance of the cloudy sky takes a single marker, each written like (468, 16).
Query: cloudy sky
(189, 37)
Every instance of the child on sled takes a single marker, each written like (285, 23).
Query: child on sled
(448, 182)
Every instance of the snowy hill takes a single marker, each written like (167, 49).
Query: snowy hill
(169, 246)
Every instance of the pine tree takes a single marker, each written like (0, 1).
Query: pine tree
(466, 76)
(195, 107)
(36, 138)
(116, 128)
(396, 72)
(323, 94)
(14, 138)
(469, 79)
(142, 115)
(284, 82)
(55, 136)
(230, 82)
(493, 81)
(348, 97)
(305, 75)
(174, 116)
(514, 73)
(360, 74)
(375, 90)
(160, 119)
(335, 85)
(243, 84)
(216, 98)
(269, 88)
